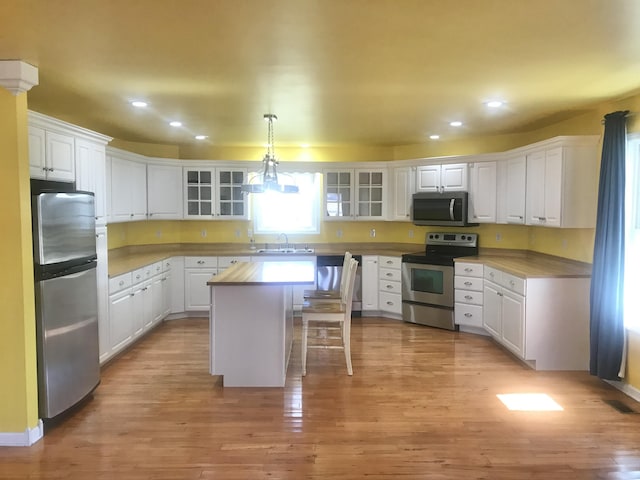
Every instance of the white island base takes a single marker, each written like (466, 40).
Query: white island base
(251, 322)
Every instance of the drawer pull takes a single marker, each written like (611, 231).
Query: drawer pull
(200, 262)
(233, 261)
(512, 283)
(121, 283)
(468, 269)
(468, 297)
(468, 315)
(468, 283)
(389, 274)
(491, 274)
(389, 262)
(390, 287)
(389, 303)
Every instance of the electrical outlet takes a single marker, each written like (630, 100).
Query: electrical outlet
(203, 233)
(410, 233)
(159, 233)
(339, 233)
(498, 237)
(372, 233)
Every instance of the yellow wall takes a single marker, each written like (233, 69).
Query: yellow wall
(18, 377)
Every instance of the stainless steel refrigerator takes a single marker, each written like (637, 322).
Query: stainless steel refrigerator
(64, 245)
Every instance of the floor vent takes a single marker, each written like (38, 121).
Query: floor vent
(619, 406)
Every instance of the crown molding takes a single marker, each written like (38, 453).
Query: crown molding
(17, 76)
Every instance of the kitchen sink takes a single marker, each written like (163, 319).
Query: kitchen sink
(287, 250)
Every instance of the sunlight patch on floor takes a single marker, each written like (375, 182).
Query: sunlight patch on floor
(529, 402)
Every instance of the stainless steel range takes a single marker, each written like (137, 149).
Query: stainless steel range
(427, 278)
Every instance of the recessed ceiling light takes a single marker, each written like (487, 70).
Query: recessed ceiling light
(434, 137)
(175, 124)
(456, 124)
(201, 137)
(304, 145)
(495, 104)
(139, 104)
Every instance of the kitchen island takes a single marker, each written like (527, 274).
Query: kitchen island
(251, 321)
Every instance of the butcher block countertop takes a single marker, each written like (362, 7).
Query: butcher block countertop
(266, 273)
(521, 263)
(525, 264)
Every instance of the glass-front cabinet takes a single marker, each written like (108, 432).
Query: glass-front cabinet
(214, 193)
(354, 194)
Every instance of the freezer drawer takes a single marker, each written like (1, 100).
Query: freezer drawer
(67, 340)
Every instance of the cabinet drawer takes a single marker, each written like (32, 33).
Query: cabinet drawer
(468, 283)
(513, 283)
(119, 283)
(469, 269)
(470, 315)
(390, 302)
(201, 262)
(390, 286)
(141, 274)
(224, 262)
(390, 262)
(389, 274)
(493, 274)
(467, 296)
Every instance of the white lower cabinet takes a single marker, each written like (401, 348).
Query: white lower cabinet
(370, 287)
(543, 321)
(197, 272)
(389, 285)
(468, 295)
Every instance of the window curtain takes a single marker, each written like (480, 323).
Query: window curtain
(607, 278)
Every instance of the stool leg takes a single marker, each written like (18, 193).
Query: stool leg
(346, 343)
(305, 331)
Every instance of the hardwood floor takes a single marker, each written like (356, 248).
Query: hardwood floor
(421, 405)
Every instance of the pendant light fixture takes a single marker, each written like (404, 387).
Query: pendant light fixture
(268, 180)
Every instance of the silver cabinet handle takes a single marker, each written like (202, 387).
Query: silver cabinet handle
(389, 262)
(468, 297)
(137, 277)
(389, 303)
(200, 262)
(389, 274)
(451, 203)
(468, 315)
(468, 283)
(389, 287)
(233, 261)
(121, 283)
(512, 283)
(468, 269)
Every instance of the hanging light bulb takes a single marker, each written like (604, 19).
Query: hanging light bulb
(269, 177)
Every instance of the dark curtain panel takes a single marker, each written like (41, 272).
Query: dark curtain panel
(607, 279)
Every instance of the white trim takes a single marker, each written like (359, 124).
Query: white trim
(22, 439)
(18, 76)
(625, 388)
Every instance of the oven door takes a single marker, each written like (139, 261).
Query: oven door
(429, 284)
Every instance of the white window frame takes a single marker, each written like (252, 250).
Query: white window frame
(632, 234)
(308, 199)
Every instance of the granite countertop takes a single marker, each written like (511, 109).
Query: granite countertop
(526, 264)
(521, 263)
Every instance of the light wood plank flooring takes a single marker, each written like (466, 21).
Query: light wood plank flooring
(421, 405)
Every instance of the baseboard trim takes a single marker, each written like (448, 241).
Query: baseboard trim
(22, 439)
(625, 388)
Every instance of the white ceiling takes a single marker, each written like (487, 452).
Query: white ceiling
(354, 72)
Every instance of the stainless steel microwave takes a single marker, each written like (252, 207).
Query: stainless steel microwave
(447, 209)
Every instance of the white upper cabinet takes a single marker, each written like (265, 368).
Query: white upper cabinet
(512, 187)
(452, 177)
(355, 194)
(403, 186)
(483, 192)
(562, 186)
(215, 193)
(128, 190)
(91, 174)
(164, 192)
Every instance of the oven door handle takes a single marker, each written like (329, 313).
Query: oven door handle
(451, 203)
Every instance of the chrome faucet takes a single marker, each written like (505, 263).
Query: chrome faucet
(286, 240)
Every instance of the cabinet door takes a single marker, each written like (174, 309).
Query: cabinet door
(91, 174)
(428, 178)
(553, 187)
(370, 194)
(121, 185)
(177, 285)
(370, 282)
(535, 188)
(60, 157)
(513, 322)
(402, 194)
(120, 325)
(157, 303)
(454, 177)
(482, 193)
(166, 294)
(196, 290)
(138, 172)
(516, 187)
(138, 314)
(231, 202)
(164, 192)
(339, 201)
(199, 193)
(37, 165)
(492, 309)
